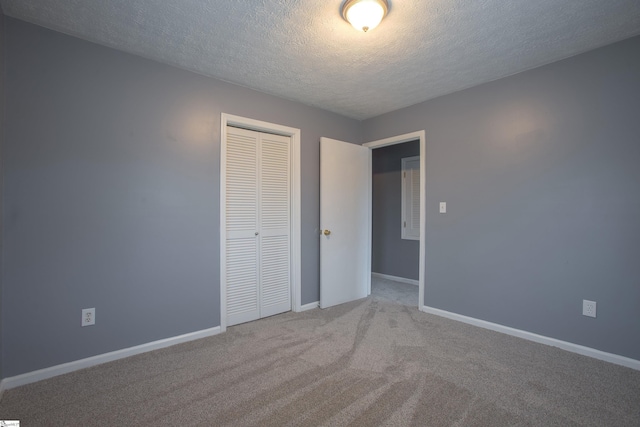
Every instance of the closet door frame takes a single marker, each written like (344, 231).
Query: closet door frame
(296, 262)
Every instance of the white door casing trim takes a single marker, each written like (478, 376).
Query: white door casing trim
(296, 242)
(407, 137)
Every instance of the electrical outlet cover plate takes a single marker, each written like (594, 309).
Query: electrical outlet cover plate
(88, 316)
(589, 308)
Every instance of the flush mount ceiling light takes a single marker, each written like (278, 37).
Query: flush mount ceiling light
(364, 15)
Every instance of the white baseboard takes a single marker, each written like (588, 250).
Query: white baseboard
(310, 306)
(43, 374)
(574, 348)
(396, 279)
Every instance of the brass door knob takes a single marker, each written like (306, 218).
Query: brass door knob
(326, 232)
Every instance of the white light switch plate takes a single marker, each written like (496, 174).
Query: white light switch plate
(443, 207)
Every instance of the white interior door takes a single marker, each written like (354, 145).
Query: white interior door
(345, 222)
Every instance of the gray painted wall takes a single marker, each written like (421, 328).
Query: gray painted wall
(111, 196)
(390, 254)
(541, 175)
(2, 37)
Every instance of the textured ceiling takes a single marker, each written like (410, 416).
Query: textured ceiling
(303, 50)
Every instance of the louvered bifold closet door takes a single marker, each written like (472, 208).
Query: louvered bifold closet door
(258, 225)
(242, 258)
(275, 224)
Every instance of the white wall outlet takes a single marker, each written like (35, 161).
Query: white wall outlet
(88, 316)
(588, 308)
(443, 207)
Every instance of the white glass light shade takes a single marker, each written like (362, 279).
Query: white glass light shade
(364, 15)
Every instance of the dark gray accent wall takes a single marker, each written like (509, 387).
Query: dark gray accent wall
(112, 196)
(541, 175)
(390, 254)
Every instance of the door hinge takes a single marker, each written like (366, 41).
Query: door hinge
(405, 224)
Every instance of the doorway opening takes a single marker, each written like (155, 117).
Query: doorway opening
(397, 236)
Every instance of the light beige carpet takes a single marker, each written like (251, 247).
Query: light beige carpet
(370, 362)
